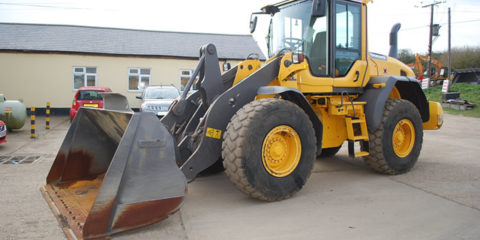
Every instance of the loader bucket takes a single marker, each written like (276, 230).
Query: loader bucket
(115, 171)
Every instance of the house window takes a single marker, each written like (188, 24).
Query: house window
(138, 78)
(84, 76)
(185, 75)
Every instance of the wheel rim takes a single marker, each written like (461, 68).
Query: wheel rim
(403, 138)
(281, 151)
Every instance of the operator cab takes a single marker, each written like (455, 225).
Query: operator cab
(305, 27)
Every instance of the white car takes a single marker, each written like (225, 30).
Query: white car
(157, 99)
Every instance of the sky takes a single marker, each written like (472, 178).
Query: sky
(232, 17)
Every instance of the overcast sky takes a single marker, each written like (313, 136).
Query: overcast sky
(231, 17)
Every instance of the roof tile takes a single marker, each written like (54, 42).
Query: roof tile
(97, 40)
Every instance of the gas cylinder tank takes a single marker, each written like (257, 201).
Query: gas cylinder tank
(12, 112)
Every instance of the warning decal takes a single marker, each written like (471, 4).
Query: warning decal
(214, 133)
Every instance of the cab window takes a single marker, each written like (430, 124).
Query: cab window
(348, 36)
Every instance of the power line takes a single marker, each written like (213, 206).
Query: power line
(425, 26)
(467, 21)
(413, 28)
(44, 6)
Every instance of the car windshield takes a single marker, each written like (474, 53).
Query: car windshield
(161, 93)
(89, 95)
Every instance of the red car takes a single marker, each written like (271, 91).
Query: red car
(87, 97)
(3, 132)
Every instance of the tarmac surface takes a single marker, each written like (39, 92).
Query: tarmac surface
(343, 199)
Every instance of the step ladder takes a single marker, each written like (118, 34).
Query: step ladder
(357, 132)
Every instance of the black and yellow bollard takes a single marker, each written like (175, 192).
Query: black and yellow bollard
(32, 122)
(47, 116)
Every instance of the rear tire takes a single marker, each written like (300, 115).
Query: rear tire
(395, 145)
(269, 149)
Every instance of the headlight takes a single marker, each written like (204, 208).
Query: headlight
(440, 120)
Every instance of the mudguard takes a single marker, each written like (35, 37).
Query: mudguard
(408, 88)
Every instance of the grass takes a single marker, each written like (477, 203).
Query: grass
(467, 92)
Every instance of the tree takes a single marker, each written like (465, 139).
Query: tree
(406, 56)
(463, 57)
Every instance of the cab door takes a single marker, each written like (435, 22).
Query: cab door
(336, 50)
(349, 49)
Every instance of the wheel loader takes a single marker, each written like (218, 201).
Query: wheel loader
(266, 123)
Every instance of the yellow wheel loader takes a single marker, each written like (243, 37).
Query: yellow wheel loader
(118, 170)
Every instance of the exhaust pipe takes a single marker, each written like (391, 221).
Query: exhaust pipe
(394, 40)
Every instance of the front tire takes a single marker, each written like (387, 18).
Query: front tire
(395, 145)
(269, 149)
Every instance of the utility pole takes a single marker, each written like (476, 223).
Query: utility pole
(429, 69)
(449, 49)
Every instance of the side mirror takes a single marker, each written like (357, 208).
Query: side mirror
(319, 8)
(253, 23)
(139, 96)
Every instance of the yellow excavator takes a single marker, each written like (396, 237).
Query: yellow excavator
(265, 123)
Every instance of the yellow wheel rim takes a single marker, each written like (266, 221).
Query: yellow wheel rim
(281, 151)
(403, 138)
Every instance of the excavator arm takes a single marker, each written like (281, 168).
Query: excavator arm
(198, 130)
